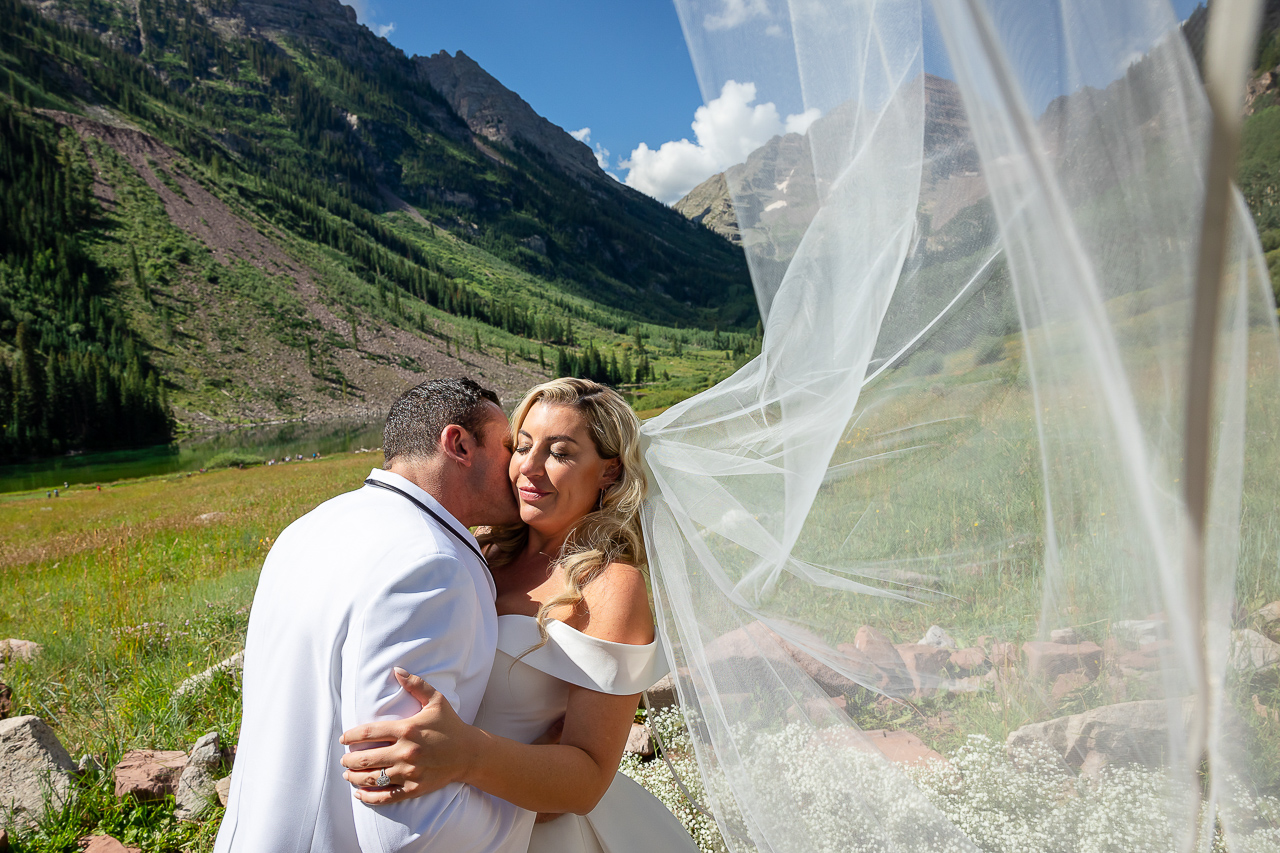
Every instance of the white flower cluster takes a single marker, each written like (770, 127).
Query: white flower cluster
(831, 793)
(656, 776)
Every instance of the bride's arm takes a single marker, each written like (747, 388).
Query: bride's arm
(435, 747)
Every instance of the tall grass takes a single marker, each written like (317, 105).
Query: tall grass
(130, 590)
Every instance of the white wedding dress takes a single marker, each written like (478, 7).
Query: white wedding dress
(527, 694)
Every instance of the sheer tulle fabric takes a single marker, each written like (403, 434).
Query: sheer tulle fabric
(975, 272)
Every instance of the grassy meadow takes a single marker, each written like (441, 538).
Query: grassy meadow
(130, 590)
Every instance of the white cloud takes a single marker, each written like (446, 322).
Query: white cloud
(727, 129)
(799, 123)
(364, 14)
(602, 156)
(583, 135)
(735, 13)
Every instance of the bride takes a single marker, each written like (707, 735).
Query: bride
(576, 643)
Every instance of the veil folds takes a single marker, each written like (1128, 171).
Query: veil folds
(921, 564)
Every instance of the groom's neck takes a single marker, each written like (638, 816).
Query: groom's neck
(433, 477)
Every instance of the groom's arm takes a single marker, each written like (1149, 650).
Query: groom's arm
(425, 621)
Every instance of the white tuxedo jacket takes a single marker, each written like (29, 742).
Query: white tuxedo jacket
(363, 583)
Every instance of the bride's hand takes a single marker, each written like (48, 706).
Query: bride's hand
(427, 751)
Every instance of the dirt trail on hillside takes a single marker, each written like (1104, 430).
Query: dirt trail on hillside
(270, 379)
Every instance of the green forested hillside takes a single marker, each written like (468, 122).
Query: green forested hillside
(206, 222)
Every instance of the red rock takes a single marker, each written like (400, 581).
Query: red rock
(1003, 655)
(901, 747)
(1049, 660)
(1148, 658)
(828, 680)
(1067, 683)
(149, 774)
(224, 789)
(924, 663)
(968, 660)
(880, 652)
(744, 657)
(104, 844)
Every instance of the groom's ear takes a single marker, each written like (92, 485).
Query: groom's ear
(457, 444)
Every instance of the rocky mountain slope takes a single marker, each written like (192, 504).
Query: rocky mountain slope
(272, 213)
(775, 198)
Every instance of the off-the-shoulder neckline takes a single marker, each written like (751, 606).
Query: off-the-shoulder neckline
(566, 626)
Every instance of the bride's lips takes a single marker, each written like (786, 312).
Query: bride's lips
(529, 494)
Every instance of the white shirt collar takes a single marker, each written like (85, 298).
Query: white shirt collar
(421, 494)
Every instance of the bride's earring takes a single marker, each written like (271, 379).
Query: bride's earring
(600, 501)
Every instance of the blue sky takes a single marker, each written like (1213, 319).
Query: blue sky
(618, 68)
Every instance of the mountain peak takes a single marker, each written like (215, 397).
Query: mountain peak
(499, 115)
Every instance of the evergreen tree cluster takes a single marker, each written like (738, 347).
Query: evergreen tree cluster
(71, 375)
(592, 364)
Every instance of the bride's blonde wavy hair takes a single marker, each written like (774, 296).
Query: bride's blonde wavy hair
(609, 534)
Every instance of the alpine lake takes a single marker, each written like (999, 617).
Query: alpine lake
(192, 453)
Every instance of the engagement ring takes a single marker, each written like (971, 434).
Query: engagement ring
(383, 779)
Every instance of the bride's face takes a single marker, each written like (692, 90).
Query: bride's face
(556, 470)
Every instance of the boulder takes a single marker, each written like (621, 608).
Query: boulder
(745, 657)
(149, 774)
(35, 770)
(639, 741)
(1067, 683)
(828, 680)
(901, 747)
(663, 693)
(879, 651)
(967, 661)
(104, 844)
(1252, 652)
(1269, 620)
(1065, 636)
(1003, 655)
(197, 785)
(937, 637)
(924, 664)
(1137, 632)
(223, 787)
(12, 649)
(233, 664)
(1050, 660)
(1146, 658)
(1127, 733)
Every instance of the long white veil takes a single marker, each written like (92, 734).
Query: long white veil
(976, 272)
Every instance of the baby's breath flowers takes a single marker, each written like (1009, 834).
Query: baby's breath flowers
(986, 797)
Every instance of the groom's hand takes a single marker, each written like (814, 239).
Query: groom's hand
(427, 751)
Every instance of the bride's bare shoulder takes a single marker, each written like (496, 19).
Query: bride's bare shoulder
(617, 604)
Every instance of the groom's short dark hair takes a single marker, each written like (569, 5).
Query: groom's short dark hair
(416, 419)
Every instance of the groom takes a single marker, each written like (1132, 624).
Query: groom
(381, 577)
